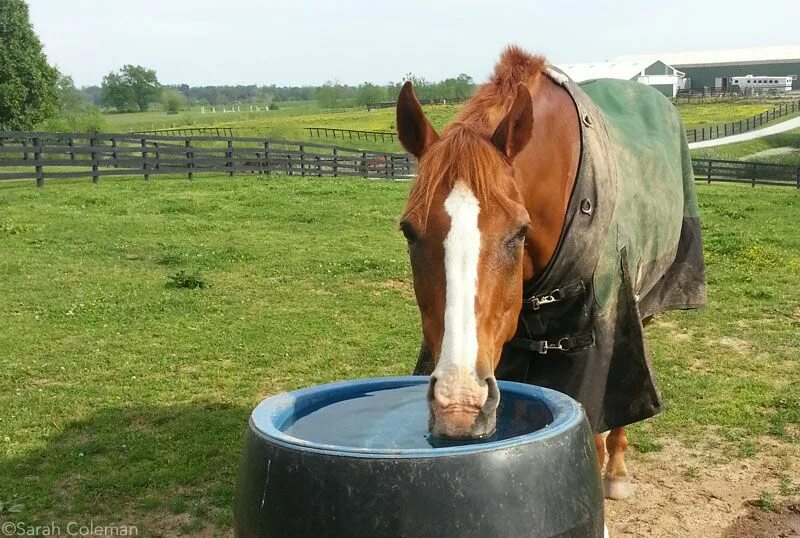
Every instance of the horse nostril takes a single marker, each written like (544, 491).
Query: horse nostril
(431, 384)
(493, 398)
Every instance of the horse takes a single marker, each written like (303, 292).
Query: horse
(535, 255)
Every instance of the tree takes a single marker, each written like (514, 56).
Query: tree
(172, 100)
(115, 93)
(330, 95)
(70, 99)
(369, 93)
(133, 86)
(27, 81)
(143, 84)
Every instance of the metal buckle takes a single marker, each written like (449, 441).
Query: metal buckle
(558, 346)
(537, 302)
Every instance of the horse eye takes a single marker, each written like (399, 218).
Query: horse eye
(409, 233)
(519, 237)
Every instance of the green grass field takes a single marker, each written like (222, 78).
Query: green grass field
(143, 321)
(290, 120)
(783, 148)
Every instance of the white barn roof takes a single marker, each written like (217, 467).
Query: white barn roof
(619, 69)
(757, 55)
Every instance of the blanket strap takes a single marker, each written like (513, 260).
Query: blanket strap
(559, 294)
(566, 343)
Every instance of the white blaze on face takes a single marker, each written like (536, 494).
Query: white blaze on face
(459, 352)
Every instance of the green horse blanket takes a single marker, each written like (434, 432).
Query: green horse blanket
(630, 248)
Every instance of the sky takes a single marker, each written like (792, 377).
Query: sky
(304, 42)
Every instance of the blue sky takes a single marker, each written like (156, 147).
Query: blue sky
(309, 42)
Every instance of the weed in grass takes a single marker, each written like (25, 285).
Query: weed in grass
(787, 488)
(185, 280)
(10, 228)
(691, 473)
(765, 501)
(11, 506)
(747, 449)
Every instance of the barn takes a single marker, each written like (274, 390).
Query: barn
(650, 71)
(715, 68)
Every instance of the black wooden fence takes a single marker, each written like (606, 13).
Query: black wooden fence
(350, 134)
(752, 173)
(742, 126)
(189, 131)
(40, 156)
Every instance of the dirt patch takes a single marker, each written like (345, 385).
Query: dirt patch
(737, 344)
(783, 522)
(172, 525)
(404, 286)
(698, 492)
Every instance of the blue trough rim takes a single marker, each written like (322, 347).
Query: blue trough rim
(567, 414)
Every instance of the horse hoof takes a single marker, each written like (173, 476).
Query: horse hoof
(616, 489)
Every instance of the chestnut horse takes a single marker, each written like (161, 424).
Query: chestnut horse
(483, 217)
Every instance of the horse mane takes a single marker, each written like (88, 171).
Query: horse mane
(464, 151)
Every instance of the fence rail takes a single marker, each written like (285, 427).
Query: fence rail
(749, 172)
(40, 156)
(350, 134)
(189, 131)
(392, 104)
(742, 126)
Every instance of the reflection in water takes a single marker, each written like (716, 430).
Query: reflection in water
(398, 419)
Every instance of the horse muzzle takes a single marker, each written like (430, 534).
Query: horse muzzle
(459, 420)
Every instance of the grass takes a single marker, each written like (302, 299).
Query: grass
(698, 115)
(782, 148)
(124, 398)
(290, 120)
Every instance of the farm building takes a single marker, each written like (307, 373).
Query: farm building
(650, 71)
(716, 68)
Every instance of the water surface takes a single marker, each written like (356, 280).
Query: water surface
(397, 418)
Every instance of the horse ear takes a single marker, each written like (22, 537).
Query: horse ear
(413, 129)
(515, 130)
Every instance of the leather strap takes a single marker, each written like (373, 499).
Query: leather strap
(565, 343)
(559, 294)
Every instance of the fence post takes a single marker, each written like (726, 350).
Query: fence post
(302, 160)
(319, 166)
(158, 156)
(37, 158)
(189, 163)
(364, 163)
(144, 160)
(114, 151)
(709, 171)
(335, 163)
(95, 164)
(753, 184)
(71, 151)
(266, 157)
(229, 157)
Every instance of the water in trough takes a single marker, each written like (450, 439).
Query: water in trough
(397, 418)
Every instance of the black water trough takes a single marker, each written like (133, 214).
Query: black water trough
(355, 459)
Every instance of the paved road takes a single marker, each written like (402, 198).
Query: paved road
(781, 127)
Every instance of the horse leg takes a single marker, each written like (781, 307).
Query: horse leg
(616, 482)
(600, 445)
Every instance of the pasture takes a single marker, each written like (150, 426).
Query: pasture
(783, 148)
(290, 121)
(143, 321)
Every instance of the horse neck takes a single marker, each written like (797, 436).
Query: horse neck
(545, 171)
